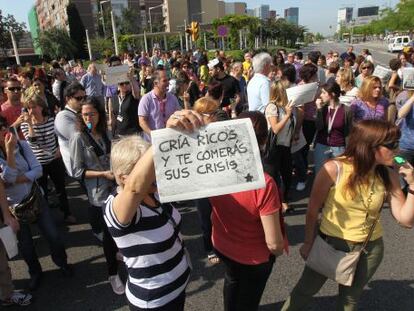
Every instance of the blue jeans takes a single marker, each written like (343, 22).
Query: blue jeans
(48, 229)
(322, 153)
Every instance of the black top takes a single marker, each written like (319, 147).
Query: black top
(230, 88)
(127, 117)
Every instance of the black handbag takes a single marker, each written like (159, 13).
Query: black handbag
(270, 147)
(28, 209)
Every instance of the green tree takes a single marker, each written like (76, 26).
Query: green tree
(56, 43)
(76, 30)
(129, 22)
(6, 23)
(102, 47)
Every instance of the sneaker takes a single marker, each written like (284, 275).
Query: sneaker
(301, 186)
(18, 299)
(117, 285)
(99, 236)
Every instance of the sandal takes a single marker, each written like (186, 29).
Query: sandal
(213, 259)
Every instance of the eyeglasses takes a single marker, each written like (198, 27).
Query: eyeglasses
(88, 114)
(80, 98)
(392, 146)
(124, 83)
(14, 89)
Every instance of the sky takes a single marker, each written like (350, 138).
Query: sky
(316, 15)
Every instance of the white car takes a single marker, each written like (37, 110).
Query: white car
(397, 44)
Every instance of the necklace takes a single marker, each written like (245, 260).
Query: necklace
(369, 218)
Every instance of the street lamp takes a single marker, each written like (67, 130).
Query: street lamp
(102, 15)
(195, 14)
(149, 12)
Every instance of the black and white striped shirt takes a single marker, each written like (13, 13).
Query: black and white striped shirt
(158, 269)
(44, 144)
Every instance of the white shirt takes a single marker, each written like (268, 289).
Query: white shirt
(258, 92)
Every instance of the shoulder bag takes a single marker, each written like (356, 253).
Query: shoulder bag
(28, 209)
(338, 265)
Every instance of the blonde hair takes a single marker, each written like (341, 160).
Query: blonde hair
(347, 78)
(365, 91)
(278, 94)
(126, 152)
(206, 105)
(32, 96)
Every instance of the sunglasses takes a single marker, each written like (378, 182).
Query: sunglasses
(392, 146)
(80, 98)
(363, 68)
(123, 83)
(336, 55)
(14, 89)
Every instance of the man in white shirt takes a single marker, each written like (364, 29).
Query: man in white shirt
(258, 89)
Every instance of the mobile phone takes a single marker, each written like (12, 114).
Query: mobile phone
(24, 110)
(399, 160)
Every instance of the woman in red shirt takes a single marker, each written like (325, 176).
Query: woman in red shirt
(247, 235)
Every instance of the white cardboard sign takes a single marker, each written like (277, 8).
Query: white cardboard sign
(408, 78)
(220, 158)
(302, 94)
(116, 74)
(383, 73)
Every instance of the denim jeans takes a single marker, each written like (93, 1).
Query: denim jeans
(322, 153)
(48, 229)
(204, 215)
(244, 284)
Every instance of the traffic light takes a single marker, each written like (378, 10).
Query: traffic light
(194, 30)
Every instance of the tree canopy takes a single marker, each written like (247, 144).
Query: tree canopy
(6, 23)
(56, 43)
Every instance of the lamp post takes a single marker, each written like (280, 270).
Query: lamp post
(195, 14)
(102, 15)
(149, 13)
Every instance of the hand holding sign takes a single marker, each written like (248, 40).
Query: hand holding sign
(220, 158)
(302, 94)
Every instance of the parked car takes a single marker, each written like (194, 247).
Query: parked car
(398, 43)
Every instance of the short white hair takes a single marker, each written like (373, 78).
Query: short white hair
(260, 61)
(126, 152)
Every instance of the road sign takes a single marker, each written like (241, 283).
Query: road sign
(222, 31)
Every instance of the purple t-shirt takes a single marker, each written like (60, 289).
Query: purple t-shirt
(337, 134)
(157, 116)
(361, 111)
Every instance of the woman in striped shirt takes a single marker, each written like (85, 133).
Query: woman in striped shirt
(39, 131)
(146, 233)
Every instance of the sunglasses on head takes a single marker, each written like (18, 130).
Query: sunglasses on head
(124, 83)
(80, 98)
(392, 145)
(14, 89)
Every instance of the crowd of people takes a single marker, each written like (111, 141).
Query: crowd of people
(59, 119)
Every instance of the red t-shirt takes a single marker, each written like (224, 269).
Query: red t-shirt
(237, 228)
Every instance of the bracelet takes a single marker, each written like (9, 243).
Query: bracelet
(410, 190)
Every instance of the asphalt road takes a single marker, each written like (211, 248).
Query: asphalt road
(377, 48)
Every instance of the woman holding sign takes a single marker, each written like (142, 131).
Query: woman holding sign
(146, 232)
(351, 190)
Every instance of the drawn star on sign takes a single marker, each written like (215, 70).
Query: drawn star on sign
(248, 177)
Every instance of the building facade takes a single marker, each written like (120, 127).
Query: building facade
(344, 17)
(292, 15)
(262, 11)
(367, 15)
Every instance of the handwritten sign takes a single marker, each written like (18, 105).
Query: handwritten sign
(117, 74)
(303, 93)
(408, 78)
(383, 73)
(221, 158)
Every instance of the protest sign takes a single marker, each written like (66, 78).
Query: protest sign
(408, 78)
(302, 94)
(383, 73)
(117, 74)
(220, 158)
(101, 68)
